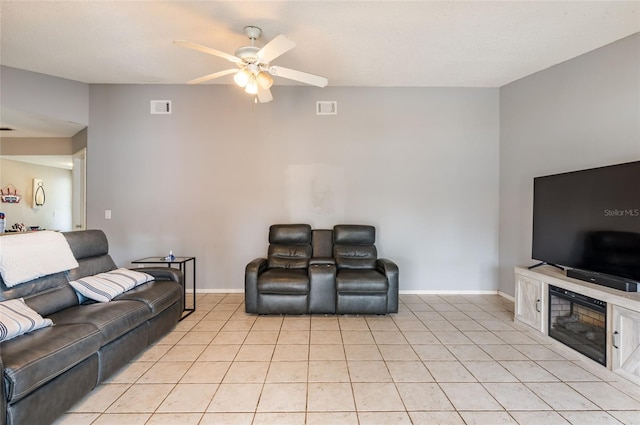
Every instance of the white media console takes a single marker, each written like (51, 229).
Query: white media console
(622, 312)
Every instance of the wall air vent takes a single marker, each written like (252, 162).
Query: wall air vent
(326, 107)
(161, 107)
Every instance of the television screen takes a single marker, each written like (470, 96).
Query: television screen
(589, 220)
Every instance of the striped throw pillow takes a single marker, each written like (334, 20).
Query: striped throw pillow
(17, 318)
(104, 287)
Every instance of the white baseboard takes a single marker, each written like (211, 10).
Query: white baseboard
(448, 292)
(216, 291)
(409, 292)
(507, 296)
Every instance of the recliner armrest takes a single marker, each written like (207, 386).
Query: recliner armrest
(386, 266)
(390, 270)
(256, 266)
(322, 288)
(251, 272)
(322, 261)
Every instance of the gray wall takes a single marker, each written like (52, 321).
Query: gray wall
(580, 114)
(419, 164)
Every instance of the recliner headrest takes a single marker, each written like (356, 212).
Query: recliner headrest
(290, 234)
(354, 234)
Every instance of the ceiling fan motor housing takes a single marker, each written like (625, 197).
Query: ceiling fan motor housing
(249, 54)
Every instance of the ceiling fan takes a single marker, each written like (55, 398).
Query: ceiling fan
(254, 72)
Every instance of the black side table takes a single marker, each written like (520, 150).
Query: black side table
(182, 266)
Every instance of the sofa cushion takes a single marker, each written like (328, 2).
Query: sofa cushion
(361, 281)
(45, 295)
(92, 266)
(112, 319)
(283, 281)
(16, 318)
(157, 295)
(36, 358)
(105, 286)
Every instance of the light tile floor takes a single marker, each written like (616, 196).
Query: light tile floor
(443, 359)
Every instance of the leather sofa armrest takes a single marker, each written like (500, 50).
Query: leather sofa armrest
(322, 261)
(163, 273)
(251, 273)
(390, 270)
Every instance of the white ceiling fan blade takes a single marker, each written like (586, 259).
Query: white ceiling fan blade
(208, 50)
(303, 77)
(276, 47)
(212, 76)
(264, 95)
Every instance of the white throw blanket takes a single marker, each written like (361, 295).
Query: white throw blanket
(27, 256)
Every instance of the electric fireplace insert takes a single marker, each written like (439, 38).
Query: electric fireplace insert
(579, 322)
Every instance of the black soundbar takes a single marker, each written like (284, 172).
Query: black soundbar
(614, 282)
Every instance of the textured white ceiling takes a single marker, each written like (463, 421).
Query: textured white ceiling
(353, 43)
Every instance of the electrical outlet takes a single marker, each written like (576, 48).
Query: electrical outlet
(107, 214)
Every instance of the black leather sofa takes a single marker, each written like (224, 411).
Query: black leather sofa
(321, 271)
(47, 371)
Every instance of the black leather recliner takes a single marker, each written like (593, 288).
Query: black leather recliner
(365, 284)
(321, 271)
(282, 282)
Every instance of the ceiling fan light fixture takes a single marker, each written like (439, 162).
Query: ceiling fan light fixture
(265, 80)
(252, 86)
(254, 73)
(242, 77)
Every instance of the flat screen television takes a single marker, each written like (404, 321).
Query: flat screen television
(589, 221)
